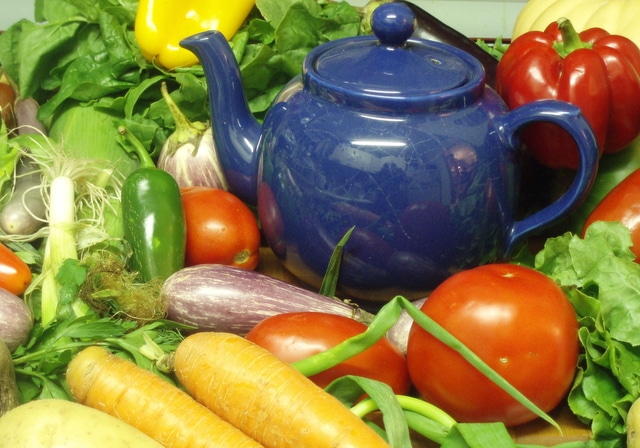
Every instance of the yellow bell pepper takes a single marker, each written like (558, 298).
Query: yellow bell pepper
(160, 25)
(615, 16)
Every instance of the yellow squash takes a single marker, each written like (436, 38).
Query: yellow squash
(160, 25)
(615, 16)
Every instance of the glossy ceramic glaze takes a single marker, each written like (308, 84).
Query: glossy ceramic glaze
(397, 137)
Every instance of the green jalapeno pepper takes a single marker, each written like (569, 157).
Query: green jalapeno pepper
(153, 217)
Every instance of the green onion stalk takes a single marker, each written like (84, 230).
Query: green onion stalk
(80, 195)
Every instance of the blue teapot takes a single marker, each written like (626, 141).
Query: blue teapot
(397, 137)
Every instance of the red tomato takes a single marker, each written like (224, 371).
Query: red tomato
(15, 274)
(221, 229)
(514, 318)
(621, 204)
(295, 336)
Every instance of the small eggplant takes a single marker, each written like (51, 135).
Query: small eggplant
(189, 154)
(216, 297)
(25, 212)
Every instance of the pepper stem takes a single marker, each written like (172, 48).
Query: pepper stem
(570, 38)
(138, 148)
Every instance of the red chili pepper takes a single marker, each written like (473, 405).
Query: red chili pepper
(597, 71)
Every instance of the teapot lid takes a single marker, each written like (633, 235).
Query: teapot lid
(392, 71)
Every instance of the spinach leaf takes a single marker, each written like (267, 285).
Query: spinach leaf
(84, 51)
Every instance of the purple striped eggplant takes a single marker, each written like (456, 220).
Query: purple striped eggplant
(214, 297)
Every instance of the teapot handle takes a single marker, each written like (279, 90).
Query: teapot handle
(570, 118)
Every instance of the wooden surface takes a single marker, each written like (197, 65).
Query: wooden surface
(538, 432)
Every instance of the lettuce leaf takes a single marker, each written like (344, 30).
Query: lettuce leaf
(602, 280)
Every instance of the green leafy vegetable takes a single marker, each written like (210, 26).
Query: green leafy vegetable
(348, 389)
(80, 61)
(496, 48)
(330, 279)
(41, 362)
(84, 52)
(603, 283)
(8, 156)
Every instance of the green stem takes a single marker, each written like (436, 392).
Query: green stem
(423, 417)
(426, 427)
(57, 348)
(33, 373)
(408, 403)
(330, 279)
(378, 328)
(186, 132)
(570, 38)
(138, 148)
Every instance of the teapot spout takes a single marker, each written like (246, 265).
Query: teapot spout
(236, 131)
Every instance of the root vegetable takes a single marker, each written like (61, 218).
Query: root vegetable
(265, 397)
(60, 423)
(145, 401)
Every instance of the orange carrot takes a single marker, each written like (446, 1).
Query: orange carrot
(265, 397)
(142, 399)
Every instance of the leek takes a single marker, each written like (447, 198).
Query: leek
(80, 195)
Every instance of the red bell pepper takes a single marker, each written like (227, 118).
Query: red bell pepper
(597, 71)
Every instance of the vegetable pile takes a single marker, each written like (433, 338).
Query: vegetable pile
(126, 266)
(89, 121)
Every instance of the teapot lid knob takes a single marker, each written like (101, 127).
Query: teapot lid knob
(392, 71)
(393, 23)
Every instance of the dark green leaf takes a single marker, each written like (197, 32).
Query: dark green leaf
(330, 279)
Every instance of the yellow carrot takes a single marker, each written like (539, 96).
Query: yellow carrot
(265, 397)
(145, 401)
